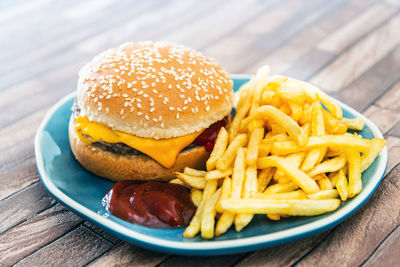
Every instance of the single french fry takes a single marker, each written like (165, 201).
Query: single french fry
(324, 194)
(176, 181)
(219, 148)
(298, 177)
(252, 148)
(273, 217)
(298, 194)
(330, 165)
(194, 172)
(224, 223)
(342, 186)
(292, 207)
(259, 84)
(195, 224)
(306, 115)
(280, 188)
(354, 173)
(250, 186)
(237, 120)
(196, 195)
(229, 156)
(264, 178)
(208, 216)
(337, 141)
(226, 190)
(369, 157)
(238, 174)
(217, 174)
(192, 181)
(356, 124)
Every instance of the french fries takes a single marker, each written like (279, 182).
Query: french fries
(219, 149)
(292, 207)
(286, 153)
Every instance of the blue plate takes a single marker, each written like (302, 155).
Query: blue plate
(82, 192)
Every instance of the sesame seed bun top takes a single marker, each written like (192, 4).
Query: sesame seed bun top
(154, 90)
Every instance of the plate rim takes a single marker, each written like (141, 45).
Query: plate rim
(210, 247)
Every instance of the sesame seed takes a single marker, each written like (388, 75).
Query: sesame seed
(171, 108)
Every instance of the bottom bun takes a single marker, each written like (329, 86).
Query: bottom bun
(131, 167)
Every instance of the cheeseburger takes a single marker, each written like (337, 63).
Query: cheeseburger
(145, 110)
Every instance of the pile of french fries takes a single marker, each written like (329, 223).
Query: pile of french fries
(287, 152)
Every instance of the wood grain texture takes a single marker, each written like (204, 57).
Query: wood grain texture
(28, 237)
(385, 119)
(285, 255)
(202, 261)
(356, 28)
(395, 131)
(387, 253)
(23, 206)
(291, 58)
(354, 240)
(350, 47)
(102, 233)
(370, 86)
(359, 58)
(129, 255)
(391, 100)
(81, 244)
(393, 146)
(18, 178)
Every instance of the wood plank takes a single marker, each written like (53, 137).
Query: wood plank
(360, 57)
(369, 87)
(76, 248)
(355, 239)
(393, 146)
(293, 55)
(28, 237)
(23, 206)
(395, 131)
(18, 178)
(102, 233)
(239, 51)
(285, 255)
(391, 100)
(239, 13)
(385, 119)
(151, 26)
(202, 261)
(17, 141)
(59, 40)
(309, 64)
(387, 253)
(129, 255)
(358, 27)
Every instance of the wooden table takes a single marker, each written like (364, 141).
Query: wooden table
(348, 48)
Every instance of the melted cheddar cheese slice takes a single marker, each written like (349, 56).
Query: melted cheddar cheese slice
(164, 151)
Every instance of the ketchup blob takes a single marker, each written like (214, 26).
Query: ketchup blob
(152, 204)
(208, 137)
